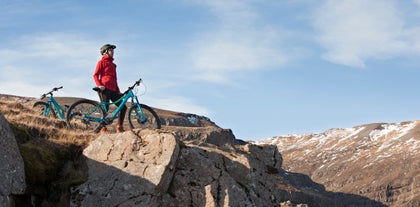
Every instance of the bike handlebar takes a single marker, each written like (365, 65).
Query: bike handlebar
(134, 85)
(57, 88)
(51, 92)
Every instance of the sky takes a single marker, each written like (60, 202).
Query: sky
(262, 68)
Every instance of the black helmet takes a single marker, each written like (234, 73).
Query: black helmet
(106, 47)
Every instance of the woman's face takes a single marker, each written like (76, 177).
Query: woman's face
(110, 52)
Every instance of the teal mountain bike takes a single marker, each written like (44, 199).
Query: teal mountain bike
(90, 115)
(50, 107)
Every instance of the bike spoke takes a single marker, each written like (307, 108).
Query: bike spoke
(84, 115)
(143, 117)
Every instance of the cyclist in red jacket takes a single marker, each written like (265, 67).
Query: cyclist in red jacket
(105, 77)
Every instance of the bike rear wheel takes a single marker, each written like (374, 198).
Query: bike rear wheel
(142, 116)
(44, 109)
(85, 115)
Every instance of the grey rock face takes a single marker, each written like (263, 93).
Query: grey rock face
(127, 169)
(12, 172)
(155, 168)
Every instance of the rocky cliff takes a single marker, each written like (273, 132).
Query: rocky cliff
(380, 161)
(195, 163)
(161, 168)
(12, 173)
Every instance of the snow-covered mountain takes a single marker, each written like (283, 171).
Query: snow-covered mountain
(380, 161)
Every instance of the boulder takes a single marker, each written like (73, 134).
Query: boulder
(12, 171)
(127, 169)
(248, 175)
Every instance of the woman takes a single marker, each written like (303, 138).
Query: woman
(105, 77)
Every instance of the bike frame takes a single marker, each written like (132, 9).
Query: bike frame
(129, 94)
(52, 102)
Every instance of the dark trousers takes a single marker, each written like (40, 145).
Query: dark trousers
(107, 95)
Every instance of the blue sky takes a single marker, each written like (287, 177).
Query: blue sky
(260, 67)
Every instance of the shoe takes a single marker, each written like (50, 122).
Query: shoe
(104, 130)
(120, 128)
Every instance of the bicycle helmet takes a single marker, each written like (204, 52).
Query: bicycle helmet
(106, 47)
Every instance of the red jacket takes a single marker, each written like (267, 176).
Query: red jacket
(106, 73)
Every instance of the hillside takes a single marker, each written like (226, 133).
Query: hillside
(190, 162)
(380, 161)
(168, 118)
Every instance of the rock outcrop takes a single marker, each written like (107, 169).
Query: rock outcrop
(167, 168)
(122, 172)
(12, 173)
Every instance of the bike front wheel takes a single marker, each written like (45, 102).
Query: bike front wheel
(44, 109)
(85, 115)
(141, 116)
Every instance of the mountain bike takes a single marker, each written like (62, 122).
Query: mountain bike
(91, 115)
(50, 108)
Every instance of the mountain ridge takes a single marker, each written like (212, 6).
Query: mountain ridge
(378, 160)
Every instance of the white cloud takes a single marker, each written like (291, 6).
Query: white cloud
(236, 44)
(72, 49)
(22, 88)
(177, 103)
(160, 94)
(353, 31)
(32, 64)
(220, 54)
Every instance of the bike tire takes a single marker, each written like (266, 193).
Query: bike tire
(151, 121)
(85, 115)
(44, 109)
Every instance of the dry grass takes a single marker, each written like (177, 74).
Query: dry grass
(21, 114)
(50, 152)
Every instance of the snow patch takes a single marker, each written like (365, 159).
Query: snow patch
(338, 133)
(414, 145)
(400, 130)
